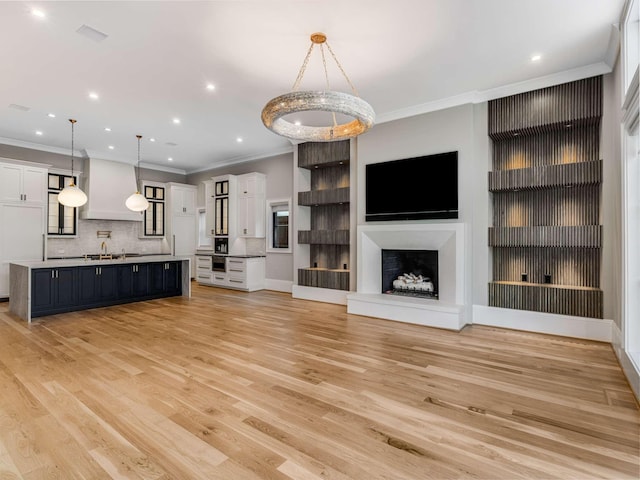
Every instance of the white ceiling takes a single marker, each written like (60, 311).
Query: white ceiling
(403, 56)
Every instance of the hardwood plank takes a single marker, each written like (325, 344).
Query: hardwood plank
(263, 386)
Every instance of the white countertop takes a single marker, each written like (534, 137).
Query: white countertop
(78, 262)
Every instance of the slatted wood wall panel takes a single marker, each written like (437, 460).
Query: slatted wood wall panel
(547, 236)
(554, 207)
(539, 298)
(578, 102)
(327, 237)
(324, 278)
(334, 177)
(567, 265)
(546, 184)
(583, 173)
(569, 145)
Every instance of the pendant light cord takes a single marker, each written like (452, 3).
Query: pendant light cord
(138, 170)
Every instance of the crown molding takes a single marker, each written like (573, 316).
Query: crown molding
(162, 168)
(479, 96)
(248, 158)
(39, 146)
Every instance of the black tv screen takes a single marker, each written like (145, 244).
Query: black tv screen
(413, 188)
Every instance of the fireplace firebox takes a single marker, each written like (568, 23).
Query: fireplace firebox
(410, 273)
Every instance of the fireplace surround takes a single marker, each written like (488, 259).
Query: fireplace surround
(448, 239)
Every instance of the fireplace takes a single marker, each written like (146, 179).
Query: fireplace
(446, 240)
(411, 273)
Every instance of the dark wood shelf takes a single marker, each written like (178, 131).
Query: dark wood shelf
(324, 237)
(549, 176)
(329, 196)
(313, 155)
(546, 236)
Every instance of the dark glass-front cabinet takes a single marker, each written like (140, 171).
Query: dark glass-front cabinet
(61, 220)
(154, 215)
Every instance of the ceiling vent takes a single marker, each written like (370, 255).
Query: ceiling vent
(22, 108)
(171, 144)
(92, 33)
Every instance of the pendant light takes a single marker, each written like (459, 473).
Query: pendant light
(137, 202)
(71, 195)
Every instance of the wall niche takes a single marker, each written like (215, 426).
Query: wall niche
(546, 185)
(329, 202)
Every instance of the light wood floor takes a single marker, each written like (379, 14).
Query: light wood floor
(232, 385)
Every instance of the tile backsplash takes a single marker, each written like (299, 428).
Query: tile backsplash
(124, 236)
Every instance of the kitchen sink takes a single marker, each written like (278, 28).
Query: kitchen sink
(110, 256)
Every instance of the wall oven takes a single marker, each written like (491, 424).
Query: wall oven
(219, 263)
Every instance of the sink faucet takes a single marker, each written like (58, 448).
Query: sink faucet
(103, 246)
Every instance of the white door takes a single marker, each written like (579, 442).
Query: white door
(21, 238)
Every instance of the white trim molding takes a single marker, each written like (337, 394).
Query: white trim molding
(326, 295)
(550, 323)
(278, 285)
(626, 362)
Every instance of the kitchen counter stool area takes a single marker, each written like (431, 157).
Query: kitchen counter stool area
(51, 287)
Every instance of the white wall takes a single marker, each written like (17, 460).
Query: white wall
(462, 129)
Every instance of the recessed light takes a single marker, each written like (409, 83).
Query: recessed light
(211, 86)
(515, 134)
(239, 139)
(107, 129)
(152, 139)
(38, 13)
(569, 125)
(51, 115)
(170, 159)
(111, 147)
(297, 123)
(536, 58)
(38, 132)
(94, 96)
(176, 121)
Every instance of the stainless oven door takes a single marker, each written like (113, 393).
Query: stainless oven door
(218, 264)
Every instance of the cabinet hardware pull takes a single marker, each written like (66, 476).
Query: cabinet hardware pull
(57, 273)
(236, 281)
(52, 274)
(234, 270)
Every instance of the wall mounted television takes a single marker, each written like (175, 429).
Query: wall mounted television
(416, 188)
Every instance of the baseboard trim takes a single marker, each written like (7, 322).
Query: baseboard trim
(563, 325)
(326, 295)
(278, 285)
(628, 366)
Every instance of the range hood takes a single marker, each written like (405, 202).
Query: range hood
(108, 184)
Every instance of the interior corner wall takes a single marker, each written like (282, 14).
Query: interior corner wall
(56, 160)
(611, 208)
(462, 129)
(279, 185)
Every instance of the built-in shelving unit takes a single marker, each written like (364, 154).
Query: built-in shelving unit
(546, 185)
(329, 202)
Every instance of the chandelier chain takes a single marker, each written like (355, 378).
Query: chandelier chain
(73, 123)
(303, 68)
(326, 76)
(335, 59)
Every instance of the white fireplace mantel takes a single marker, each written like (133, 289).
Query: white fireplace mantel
(447, 239)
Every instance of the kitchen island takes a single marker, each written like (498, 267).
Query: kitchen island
(57, 286)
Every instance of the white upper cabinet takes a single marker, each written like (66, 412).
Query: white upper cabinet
(183, 200)
(251, 205)
(24, 184)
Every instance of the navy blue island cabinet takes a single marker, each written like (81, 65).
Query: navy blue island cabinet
(59, 290)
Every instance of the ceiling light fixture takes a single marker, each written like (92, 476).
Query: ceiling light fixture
(107, 129)
(239, 139)
(111, 147)
(137, 202)
(38, 132)
(152, 139)
(94, 96)
(328, 101)
(536, 58)
(71, 195)
(176, 121)
(170, 159)
(38, 13)
(211, 86)
(51, 115)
